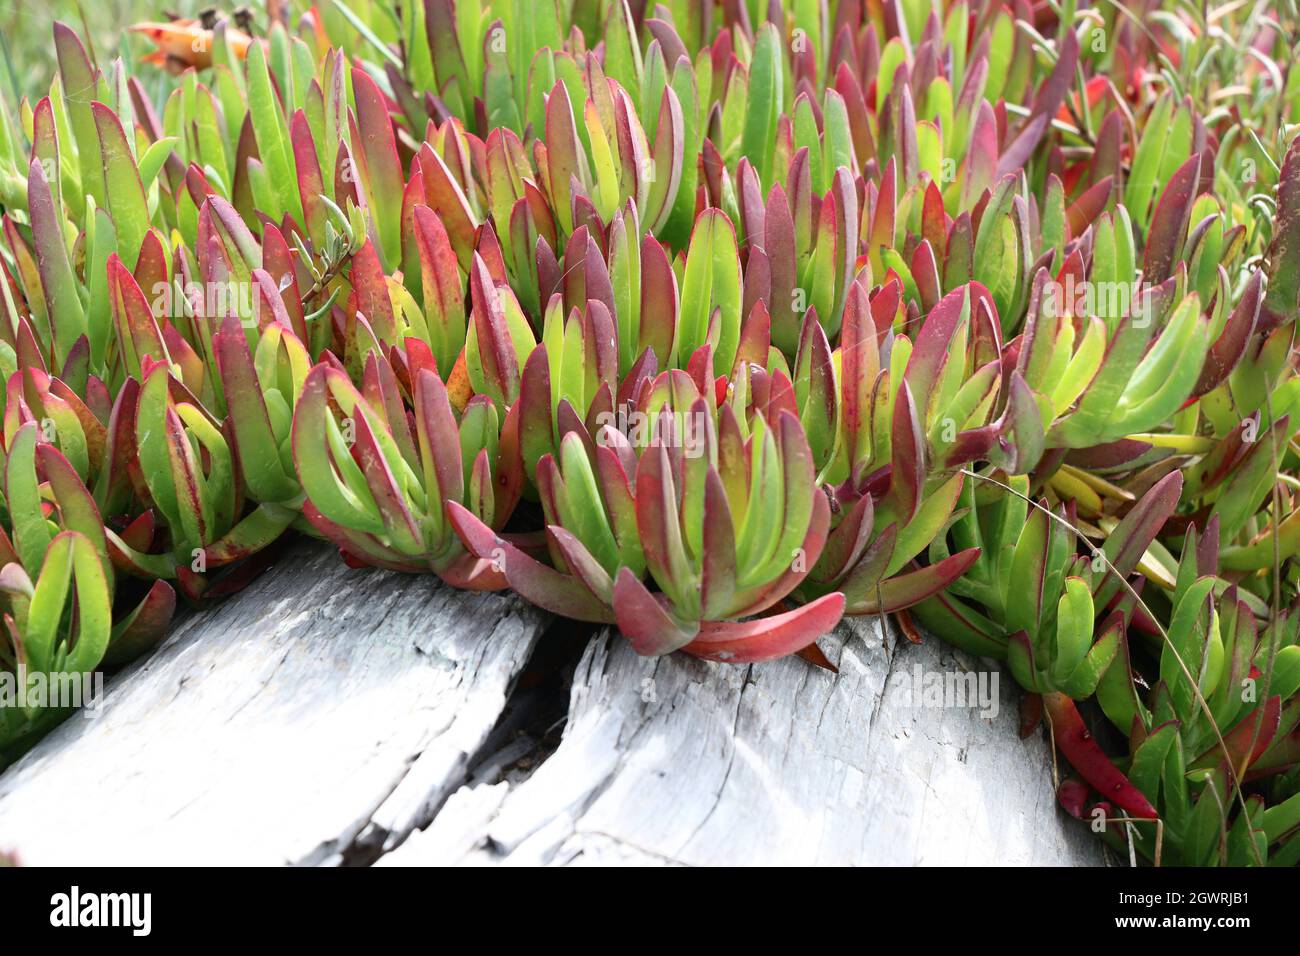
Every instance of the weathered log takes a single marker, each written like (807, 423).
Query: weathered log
(323, 715)
(318, 716)
(675, 760)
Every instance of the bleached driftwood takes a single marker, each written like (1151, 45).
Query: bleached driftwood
(677, 760)
(319, 715)
(324, 714)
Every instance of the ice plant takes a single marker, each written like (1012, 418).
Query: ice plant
(1036, 594)
(379, 488)
(1220, 714)
(908, 418)
(721, 513)
(56, 590)
(707, 322)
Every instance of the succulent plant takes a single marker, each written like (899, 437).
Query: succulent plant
(624, 489)
(57, 590)
(710, 322)
(378, 485)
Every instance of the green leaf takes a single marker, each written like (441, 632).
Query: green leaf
(31, 532)
(58, 283)
(758, 141)
(126, 193)
(1074, 616)
(271, 132)
(711, 282)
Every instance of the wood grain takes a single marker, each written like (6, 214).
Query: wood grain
(679, 761)
(324, 714)
(320, 715)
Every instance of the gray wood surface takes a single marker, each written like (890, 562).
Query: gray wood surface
(324, 714)
(679, 761)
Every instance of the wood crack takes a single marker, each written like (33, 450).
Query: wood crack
(317, 717)
(327, 716)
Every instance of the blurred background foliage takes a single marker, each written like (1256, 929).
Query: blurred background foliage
(25, 26)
